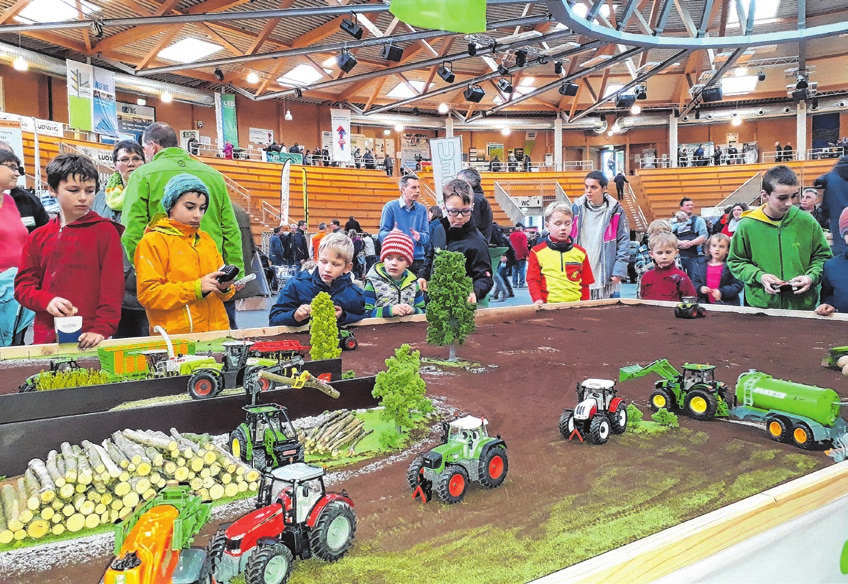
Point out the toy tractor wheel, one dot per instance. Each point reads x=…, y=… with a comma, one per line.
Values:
x=493, y=468
x=238, y=444
x=660, y=398
x=566, y=423
x=779, y=429
x=255, y=384
x=700, y=404
x=618, y=419
x=413, y=472
x=802, y=436
x=334, y=531
x=215, y=550
x=600, y=429
x=452, y=484
x=204, y=384
x=269, y=564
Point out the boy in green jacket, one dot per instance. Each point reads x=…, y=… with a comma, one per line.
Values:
x=779, y=251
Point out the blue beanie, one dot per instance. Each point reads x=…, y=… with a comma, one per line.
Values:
x=179, y=185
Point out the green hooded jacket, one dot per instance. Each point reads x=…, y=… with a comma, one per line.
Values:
x=143, y=200
x=793, y=246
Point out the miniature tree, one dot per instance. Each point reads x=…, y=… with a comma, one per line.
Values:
x=634, y=417
x=449, y=315
x=323, y=330
x=663, y=417
x=401, y=389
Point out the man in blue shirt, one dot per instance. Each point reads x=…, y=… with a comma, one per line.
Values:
x=408, y=215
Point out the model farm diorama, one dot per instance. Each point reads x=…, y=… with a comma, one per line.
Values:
x=158, y=487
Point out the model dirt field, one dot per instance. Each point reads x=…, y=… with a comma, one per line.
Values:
x=562, y=502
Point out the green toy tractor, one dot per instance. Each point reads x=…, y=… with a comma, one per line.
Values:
x=695, y=391
x=266, y=439
x=467, y=453
x=347, y=340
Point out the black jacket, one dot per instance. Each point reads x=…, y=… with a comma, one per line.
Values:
x=353, y=224
x=482, y=214
x=469, y=241
x=32, y=211
x=299, y=247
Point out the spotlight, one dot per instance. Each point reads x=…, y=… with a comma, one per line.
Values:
x=505, y=131
x=252, y=77
x=474, y=94
x=641, y=92
x=346, y=61
x=472, y=49
x=446, y=74
x=166, y=97
x=387, y=132
x=761, y=112
x=569, y=89
x=761, y=76
x=504, y=85
x=802, y=83
x=444, y=108
x=399, y=128
x=20, y=64
x=544, y=60
x=814, y=105
x=520, y=58
x=799, y=94
x=625, y=100
x=351, y=28
x=288, y=116
x=416, y=111
x=558, y=67
x=298, y=92
x=636, y=109
x=392, y=53
x=502, y=70
x=737, y=121
x=711, y=94
x=219, y=75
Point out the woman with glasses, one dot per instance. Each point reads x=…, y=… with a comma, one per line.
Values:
x=29, y=206
x=109, y=201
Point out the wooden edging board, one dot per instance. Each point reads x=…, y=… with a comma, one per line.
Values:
x=665, y=552
x=22, y=441
x=36, y=405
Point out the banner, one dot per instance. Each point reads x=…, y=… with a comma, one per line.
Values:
x=229, y=123
x=105, y=106
x=133, y=119
x=80, y=85
x=283, y=157
x=340, y=124
x=466, y=16
x=260, y=136
x=285, y=185
x=446, y=154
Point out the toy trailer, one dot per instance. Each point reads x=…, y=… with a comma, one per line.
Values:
x=805, y=415
x=151, y=545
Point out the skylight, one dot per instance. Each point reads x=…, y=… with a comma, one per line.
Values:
x=612, y=88
x=581, y=10
x=526, y=81
x=738, y=85
x=402, y=91
x=54, y=11
x=189, y=50
x=300, y=75
x=764, y=11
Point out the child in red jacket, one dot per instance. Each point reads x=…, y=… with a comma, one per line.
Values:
x=74, y=264
x=666, y=281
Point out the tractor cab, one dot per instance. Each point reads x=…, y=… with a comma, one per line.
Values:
x=697, y=374
x=235, y=354
x=467, y=431
x=298, y=488
x=596, y=393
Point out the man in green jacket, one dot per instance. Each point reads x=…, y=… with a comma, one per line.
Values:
x=144, y=192
x=778, y=251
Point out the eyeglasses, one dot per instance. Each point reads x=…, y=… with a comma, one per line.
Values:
x=13, y=166
x=126, y=160
x=458, y=212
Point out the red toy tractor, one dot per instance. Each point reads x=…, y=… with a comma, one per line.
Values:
x=303, y=520
x=598, y=414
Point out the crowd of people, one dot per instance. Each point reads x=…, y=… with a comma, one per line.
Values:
x=160, y=245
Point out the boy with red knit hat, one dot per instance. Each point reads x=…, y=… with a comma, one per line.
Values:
x=390, y=288
x=834, y=287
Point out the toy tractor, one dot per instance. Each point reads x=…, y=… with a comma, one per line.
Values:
x=598, y=414
x=56, y=366
x=152, y=544
x=266, y=439
x=695, y=391
x=467, y=453
x=347, y=340
x=295, y=517
x=241, y=364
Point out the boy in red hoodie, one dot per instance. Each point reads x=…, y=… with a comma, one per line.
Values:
x=666, y=281
x=74, y=264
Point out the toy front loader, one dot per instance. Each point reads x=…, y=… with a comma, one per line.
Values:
x=661, y=367
x=305, y=379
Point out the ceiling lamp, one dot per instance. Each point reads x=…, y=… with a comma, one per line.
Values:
x=351, y=28
x=288, y=117
x=446, y=74
x=167, y=97
x=737, y=121
x=505, y=131
x=444, y=108
x=504, y=85
x=399, y=128
x=20, y=64
x=141, y=101
x=387, y=132
x=252, y=77
x=636, y=109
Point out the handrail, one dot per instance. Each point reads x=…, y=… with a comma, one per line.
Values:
x=428, y=195
x=560, y=193
x=267, y=208
x=641, y=221
x=747, y=193
x=508, y=205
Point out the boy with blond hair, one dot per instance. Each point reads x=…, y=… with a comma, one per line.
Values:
x=331, y=275
x=666, y=281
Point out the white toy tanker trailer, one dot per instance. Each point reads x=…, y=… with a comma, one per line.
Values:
x=805, y=415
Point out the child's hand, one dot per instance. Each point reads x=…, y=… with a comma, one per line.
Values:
x=825, y=310
x=801, y=283
x=61, y=307
x=539, y=302
x=705, y=290
x=422, y=283
x=89, y=340
x=302, y=313
x=209, y=282
x=472, y=298
x=338, y=310
x=771, y=283
x=716, y=294
x=401, y=309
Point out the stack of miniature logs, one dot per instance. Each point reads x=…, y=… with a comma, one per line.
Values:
x=340, y=429
x=87, y=485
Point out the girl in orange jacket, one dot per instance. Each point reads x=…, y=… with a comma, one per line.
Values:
x=178, y=264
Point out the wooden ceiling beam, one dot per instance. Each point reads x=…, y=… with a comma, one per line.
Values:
x=13, y=10
x=163, y=42
x=269, y=27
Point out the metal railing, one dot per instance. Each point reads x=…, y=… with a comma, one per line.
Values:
x=266, y=209
x=829, y=152
x=641, y=223
x=428, y=197
x=747, y=193
x=548, y=191
x=559, y=193
x=508, y=205
x=779, y=156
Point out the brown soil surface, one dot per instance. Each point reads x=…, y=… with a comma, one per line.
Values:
x=532, y=369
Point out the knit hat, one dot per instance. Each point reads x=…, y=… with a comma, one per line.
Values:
x=398, y=242
x=179, y=185
x=843, y=222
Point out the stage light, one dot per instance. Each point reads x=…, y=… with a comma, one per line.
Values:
x=399, y=128
x=569, y=89
x=346, y=61
x=166, y=97
x=641, y=92
x=474, y=94
x=558, y=67
x=802, y=83
x=219, y=75
x=351, y=28
x=392, y=53
x=504, y=85
x=446, y=74
x=761, y=76
x=505, y=131
x=711, y=94
x=502, y=70
x=625, y=100
x=799, y=94
x=737, y=121
x=472, y=49
x=520, y=58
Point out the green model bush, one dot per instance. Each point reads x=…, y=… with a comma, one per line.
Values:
x=401, y=391
x=663, y=417
x=72, y=378
x=323, y=330
x=634, y=417
x=450, y=318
